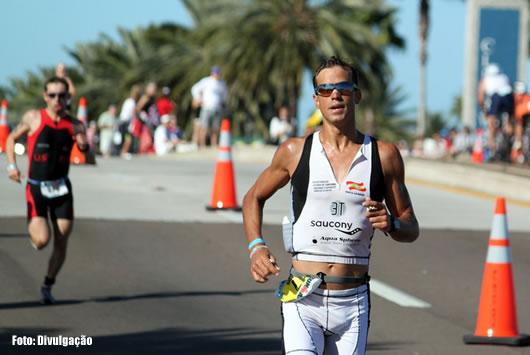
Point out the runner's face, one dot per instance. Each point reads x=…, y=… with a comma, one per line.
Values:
x=56, y=97
x=337, y=107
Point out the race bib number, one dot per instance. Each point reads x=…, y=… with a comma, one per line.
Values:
x=53, y=188
x=296, y=288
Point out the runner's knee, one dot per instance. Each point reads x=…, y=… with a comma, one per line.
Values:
x=39, y=233
x=39, y=241
x=62, y=229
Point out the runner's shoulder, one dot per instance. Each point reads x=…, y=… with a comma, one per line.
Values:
x=291, y=148
x=389, y=155
x=31, y=116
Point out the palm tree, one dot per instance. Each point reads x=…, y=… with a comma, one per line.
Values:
x=423, y=33
x=265, y=46
x=390, y=122
x=26, y=93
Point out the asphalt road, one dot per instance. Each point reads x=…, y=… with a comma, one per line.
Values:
x=183, y=288
x=153, y=273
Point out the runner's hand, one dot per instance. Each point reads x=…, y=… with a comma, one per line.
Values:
x=262, y=265
x=377, y=214
x=14, y=175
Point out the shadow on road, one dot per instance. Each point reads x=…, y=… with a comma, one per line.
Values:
x=32, y=304
x=120, y=298
x=14, y=235
x=160, y=341
x=179, y=294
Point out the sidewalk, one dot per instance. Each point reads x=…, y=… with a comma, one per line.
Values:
x=486, y=179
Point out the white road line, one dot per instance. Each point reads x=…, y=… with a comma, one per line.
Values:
x=392, y=294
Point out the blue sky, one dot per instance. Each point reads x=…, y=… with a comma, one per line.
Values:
x=36, y=32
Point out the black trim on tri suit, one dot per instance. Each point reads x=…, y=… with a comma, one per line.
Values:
x=377, y=179
x=300, y=179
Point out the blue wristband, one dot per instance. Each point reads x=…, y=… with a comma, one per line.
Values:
x=255, y=242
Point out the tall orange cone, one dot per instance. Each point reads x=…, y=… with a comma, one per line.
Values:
x=4, y=128
x=497, y=320
x=477, y=155
x=78, y=157
x=82, y=114
x=224, y=189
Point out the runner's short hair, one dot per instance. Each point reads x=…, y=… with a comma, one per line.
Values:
x=336, y=61
x=56, y=80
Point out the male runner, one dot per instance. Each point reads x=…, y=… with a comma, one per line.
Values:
x=339, y=180
x=51, y=135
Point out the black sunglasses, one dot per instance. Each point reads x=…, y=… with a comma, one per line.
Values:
x=60, y=95
x=345, y=88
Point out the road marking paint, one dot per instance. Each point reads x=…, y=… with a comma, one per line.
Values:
x=395, y=295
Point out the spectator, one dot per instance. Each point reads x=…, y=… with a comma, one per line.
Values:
x=280, y=127
x=496, y=98
x=164, y=104
x=210, y=94
x=128, y=124
x=146, y=107
x=163, y=142
x=521, y=115
x=175, y=133
x=417, y=147
x=462, y=143
x=106, y=125
x=147, y=111
x=61, y=72
x=434, y=147
x=91, y=135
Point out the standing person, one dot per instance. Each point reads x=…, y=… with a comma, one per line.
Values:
x=129, y=124
x=522, y=117
x=146, y=107
x=61, y=72
x=280, y=127
x=106, y=125
x=495, y=97
x=342, y=183
x=148, y=113
x=52, y=133
x=210, y=94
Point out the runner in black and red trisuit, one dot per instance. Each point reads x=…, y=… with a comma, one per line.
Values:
x=51, y=135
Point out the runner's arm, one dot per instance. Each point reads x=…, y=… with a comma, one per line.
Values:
x=397, y=198
x=263, y=264
x=21, y=129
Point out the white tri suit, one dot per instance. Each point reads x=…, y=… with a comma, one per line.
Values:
x=328, y=224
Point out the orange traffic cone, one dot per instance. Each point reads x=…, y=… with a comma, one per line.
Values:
x=477, y=155
x=78, y=157
x=81, y=111
x=4, y=128
x=224, y=190
x=497, y=320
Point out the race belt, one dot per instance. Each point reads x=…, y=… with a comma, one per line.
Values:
x=300, y=285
